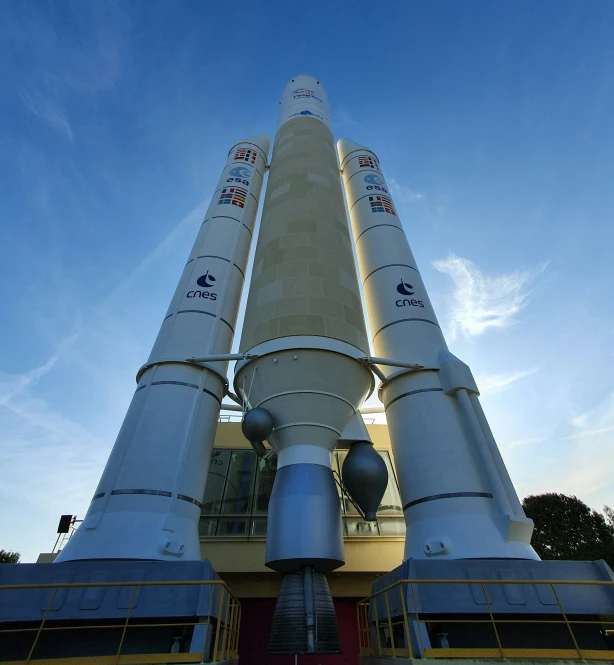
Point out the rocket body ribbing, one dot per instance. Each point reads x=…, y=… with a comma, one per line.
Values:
x=304, y=278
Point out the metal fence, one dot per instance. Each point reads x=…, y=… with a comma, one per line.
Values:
x=405, y=635
x=219, y=627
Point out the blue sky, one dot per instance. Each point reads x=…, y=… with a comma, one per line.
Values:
x=493, y=124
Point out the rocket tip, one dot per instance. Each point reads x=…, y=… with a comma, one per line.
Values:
x=263, y=141
x=345, y=147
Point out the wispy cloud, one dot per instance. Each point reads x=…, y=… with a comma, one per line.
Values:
x=524, y=442
x=54, y=461
x=594, y=422
x=581, y=463
x=75, y=57
x=483, y=301
x=490, y=384
x=11, y=385
x=57, y=437
x=344, y=119
x=49, y=111
x=177, y=238
x=403, y=193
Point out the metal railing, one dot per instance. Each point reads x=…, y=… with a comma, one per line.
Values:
x=229, y=417
x=219, y=628
x=404, y=634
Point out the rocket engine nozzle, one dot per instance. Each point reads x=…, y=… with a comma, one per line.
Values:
x=304, y=621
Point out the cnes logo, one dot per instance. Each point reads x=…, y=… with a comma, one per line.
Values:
x=205, y=281
x=406, y=289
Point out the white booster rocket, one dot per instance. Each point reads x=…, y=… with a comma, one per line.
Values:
x=147, y=504
x=458, y=499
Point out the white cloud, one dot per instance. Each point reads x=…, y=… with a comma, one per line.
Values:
x=524, y=442
x=483, y=301
x=404, y=193
x=11, y=385
x=591, y=424
x=49, y=111
x=582, y=463
x=50, y=462
x=178, y=237
x=54, y=444
x=489, y=384
x=61, y=69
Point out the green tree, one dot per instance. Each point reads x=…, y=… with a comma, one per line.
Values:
x=609, y=516
x=9, y=557
x=566, y=528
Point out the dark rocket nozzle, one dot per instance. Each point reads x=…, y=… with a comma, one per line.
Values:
x=304, y=619
x=257, y=425
x=365, y=476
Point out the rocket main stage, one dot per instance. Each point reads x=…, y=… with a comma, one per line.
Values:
x=302, y=373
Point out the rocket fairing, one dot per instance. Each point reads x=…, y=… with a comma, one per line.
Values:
x=458, y=499
x=147, y=504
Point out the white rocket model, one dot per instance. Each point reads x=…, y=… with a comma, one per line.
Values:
x=304, y=371
x=147, y=504
x=459, y=501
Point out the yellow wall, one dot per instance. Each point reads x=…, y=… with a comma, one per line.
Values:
x=266, y=585
x=229, y=435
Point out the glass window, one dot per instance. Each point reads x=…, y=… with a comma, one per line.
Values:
x=233, y=526
x=239, y=482
x=392, y=526
x=207, y=527
x=356, y=526
x=348, y=506
x=238, y=491
x=259, y=526
x=216, y=480
x=265, y=475
x=391, y=502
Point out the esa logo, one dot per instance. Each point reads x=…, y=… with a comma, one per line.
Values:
x=406, y=289
x=305, y=112
x=240, y=174
x=376, y=182
x=205, y=281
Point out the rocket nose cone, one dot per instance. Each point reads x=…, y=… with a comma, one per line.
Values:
x=304, y=95
x=263, y=141
x=345, y=147
x=305, y=81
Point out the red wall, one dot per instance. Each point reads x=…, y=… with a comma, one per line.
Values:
x=256, y=619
